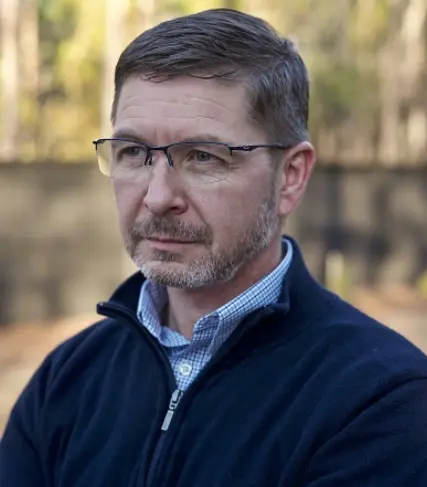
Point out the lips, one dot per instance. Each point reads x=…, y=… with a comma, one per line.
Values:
x=169, y=240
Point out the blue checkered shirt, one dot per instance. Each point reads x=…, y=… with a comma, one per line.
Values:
x=188, y=357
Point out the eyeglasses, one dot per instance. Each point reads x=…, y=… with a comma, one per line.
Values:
x=196, y=162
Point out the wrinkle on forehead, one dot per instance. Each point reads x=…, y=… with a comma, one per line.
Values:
x=167, y=109
x=187, y=108
x=182, y=106
x=186, y=100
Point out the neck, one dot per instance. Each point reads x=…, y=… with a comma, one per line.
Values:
x=187, y=306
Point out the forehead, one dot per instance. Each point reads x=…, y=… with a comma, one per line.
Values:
x=182, y=107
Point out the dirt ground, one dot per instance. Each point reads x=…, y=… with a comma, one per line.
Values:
x=22, y=348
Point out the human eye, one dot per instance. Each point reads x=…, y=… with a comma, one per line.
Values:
x=202, y=156
x=129, y=153
x=207, y=155
x=204, y=161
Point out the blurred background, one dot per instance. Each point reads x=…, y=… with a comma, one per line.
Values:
x=363, y=222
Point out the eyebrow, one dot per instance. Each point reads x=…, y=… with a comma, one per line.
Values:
x=205, y=137
x=130, y=135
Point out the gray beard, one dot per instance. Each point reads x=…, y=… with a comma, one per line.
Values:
x=217, y=266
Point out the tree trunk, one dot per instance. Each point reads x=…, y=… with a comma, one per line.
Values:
x=30, y=62
x=403, y=68
x=115, y=11
x=148, y=11
x=9, y=80
x=414, y=37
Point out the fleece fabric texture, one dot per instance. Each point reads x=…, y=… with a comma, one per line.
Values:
x=307, y=392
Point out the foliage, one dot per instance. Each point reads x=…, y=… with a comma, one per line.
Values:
x=349, y=46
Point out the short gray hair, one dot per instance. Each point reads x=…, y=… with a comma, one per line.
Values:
x=231, y=46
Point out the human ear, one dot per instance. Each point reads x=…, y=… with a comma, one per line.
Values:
x=296, y=171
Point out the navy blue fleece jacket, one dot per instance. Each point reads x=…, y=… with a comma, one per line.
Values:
x=306, y=393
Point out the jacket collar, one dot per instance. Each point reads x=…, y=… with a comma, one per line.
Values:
x=300, y=296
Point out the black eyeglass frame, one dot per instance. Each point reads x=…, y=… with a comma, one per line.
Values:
x=165, y=148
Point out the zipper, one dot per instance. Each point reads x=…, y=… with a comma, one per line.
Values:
x=113, y=310
x=175, y=413
x=173, y=404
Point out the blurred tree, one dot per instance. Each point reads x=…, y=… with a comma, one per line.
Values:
x=367, y=60
x=29, y=52
x=72, y=41
x=9, y=80
x=113, y=45
x=148, y=12
x=183, y=7
x=233, y=4
x=403, y=85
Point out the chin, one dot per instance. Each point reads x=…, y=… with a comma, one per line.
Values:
x=151, y=268
x=163, y=260
x=169, y=274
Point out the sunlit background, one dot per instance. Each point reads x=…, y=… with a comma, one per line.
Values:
x=362, y=225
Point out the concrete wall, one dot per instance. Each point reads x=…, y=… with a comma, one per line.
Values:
x=60, y=249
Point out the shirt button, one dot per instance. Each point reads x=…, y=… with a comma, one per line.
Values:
x=185, y=369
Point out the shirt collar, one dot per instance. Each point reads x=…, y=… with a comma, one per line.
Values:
x=219, y=324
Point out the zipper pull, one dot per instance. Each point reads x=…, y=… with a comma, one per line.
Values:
x=173, y=404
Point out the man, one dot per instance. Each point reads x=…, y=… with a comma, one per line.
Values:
x=222, y=363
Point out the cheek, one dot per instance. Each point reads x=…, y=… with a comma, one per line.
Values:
x=231, y=213
x=128, y=202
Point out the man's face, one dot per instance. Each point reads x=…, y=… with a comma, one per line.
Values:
x=193, y=235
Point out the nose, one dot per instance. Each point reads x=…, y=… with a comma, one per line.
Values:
x=164, y=193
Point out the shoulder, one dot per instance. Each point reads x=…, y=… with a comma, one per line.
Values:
x=353, y=366
x=355, y=330
x=71, y=361
x=95, y=336
x=343, y=349
x=371, y=401
x=364, y=355
x=65, y=369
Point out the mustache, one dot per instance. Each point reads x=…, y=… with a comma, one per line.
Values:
x=170, y=228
